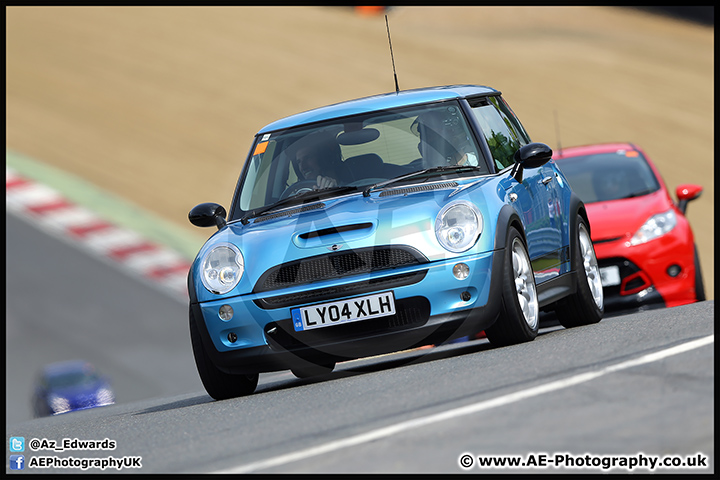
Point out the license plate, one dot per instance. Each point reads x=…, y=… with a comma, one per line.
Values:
x=610, y=276
x=343, y=311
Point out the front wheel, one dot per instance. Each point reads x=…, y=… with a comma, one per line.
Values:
x=586, y=305
x=520, y=316
x=218, y=384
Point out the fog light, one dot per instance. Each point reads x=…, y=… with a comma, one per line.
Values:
x=465, y=296
x=225, y=313
x=232, y=338
x=461, y=271
x=674, y=270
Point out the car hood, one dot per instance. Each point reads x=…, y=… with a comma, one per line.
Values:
x=78, y=392
x=615, y=219
x=401, y=216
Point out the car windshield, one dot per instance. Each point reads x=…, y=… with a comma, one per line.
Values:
x=609, y=176
x=71, y=379
x=349, y=154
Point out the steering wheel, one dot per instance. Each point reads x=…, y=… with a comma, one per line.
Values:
x=299, y=187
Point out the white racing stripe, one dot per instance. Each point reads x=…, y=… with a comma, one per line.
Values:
x=466, y=410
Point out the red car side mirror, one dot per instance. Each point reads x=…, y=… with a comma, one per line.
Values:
x=685, y=193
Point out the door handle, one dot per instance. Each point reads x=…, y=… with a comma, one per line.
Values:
x=546, y=180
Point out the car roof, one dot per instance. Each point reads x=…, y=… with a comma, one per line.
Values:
x=593, y=149
x=379, y=102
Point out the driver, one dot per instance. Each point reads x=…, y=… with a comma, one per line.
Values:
x=444, y=139
x=318, y=158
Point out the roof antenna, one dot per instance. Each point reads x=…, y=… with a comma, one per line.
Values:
x=557, y=132
x=397, y=89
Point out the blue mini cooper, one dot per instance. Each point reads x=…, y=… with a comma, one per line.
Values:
x=383, y=224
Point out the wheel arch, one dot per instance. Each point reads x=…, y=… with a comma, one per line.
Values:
x=507, y=218
x=576, y=208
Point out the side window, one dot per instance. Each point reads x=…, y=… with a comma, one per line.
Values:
x=501, y=129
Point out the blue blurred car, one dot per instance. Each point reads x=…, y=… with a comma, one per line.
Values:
x=382, y=224
x=68, y=386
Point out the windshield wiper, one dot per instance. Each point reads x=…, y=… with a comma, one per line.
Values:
x=639, y=193
x=426, y=171
x=303, y=197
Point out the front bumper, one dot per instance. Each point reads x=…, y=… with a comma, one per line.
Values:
x=635, y=290
x=429, y=310
x=645, y=272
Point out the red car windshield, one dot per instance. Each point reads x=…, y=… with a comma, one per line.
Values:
x=609, y=176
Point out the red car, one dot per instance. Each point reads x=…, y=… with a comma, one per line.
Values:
x=643, y=242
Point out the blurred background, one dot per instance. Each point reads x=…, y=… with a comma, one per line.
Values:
x=158, y=105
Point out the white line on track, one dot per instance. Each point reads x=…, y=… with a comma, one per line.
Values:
x=468, y=409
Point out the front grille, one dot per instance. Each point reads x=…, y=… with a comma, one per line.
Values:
x=632, y=278
x=409, y=313
x=337, y=265
x=86, y=400
x=344, y=290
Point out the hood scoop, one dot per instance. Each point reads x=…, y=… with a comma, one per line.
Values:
x=336, y=230
x=418, y=188
x=289, y=213
x=334, y=235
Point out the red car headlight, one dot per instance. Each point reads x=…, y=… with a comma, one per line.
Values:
x=654, y=227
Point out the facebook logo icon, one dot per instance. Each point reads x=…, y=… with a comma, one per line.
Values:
x=17, y=462
x=17, y=444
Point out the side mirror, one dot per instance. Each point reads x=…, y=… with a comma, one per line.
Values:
x=686, y=193
x=208, y=215
x=532, y=155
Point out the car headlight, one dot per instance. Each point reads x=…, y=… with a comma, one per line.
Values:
x=655, y=226
x=458, y=226
x=222, y=268
x=59, y=404
x=105, y=396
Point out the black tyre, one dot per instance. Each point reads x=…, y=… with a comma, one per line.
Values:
x=218, y=384
x=699, y=285
x=586, y=305
x=520, y=316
